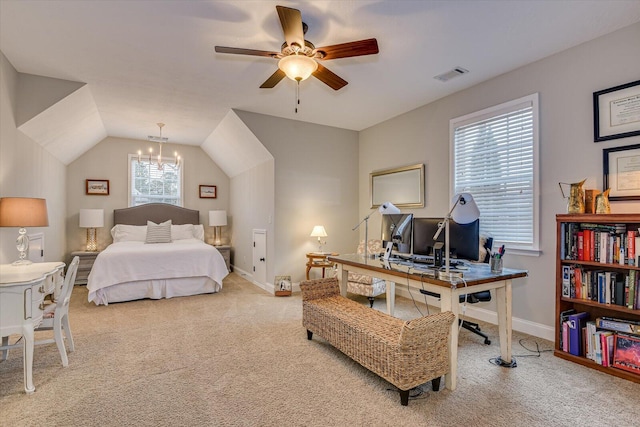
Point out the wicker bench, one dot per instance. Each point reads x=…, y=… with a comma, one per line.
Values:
x=405, y=353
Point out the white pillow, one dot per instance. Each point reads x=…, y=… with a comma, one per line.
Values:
x=158, y=233
x=182, y=231
x=129, y=233
x=198, y=232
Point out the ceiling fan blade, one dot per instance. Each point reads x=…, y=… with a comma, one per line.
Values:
x=346, y=50
x=241, y=51
x=291, y=21
x=273, y=80
x=329, y=78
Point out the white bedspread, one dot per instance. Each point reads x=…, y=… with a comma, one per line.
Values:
x=132, y=261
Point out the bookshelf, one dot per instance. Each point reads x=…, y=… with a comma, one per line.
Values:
x=566, y=225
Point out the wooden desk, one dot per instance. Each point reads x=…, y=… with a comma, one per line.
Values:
x=478, y=278
x=22, y=292
x=319, y=260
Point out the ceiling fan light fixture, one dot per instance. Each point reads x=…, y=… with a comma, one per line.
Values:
x=298, y=67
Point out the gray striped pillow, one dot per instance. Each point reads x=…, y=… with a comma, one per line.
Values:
x=158, y=233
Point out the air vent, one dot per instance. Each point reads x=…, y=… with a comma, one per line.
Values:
x=458, y=71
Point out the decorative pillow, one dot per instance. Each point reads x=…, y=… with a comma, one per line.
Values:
x=182, y=231
x=129, y=233
x=158, y=233
x=198, y=232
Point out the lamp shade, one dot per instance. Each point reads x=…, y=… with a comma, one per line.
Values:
x=91, y=218
x=388, y=208
x=298, y=67
x=217, y=218
x=466, y=210
x=23, y=212
x=318, y=231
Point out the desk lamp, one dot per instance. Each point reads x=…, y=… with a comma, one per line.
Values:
x=387, y=208
x=464, y=211
x=319, y=231
x=91, y=219
x=217, y=219
x=23, y=212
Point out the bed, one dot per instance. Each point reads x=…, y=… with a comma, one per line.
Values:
x=142, y=262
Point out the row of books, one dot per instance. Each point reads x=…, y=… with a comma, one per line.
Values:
x=604, y=287
x=607, y=341
x=608, y=244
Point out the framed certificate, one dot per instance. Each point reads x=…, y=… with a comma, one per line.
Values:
x=616, y=112
x=621, y=169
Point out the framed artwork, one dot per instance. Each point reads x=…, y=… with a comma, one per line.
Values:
x=616, y=112
x=621, y=170
x=282, y=286
x=208, y=192
x=626, y=353
x=97, y=187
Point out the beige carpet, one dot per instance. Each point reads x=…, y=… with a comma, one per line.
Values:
x=241, y=358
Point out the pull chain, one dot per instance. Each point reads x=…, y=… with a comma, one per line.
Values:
x=297, y=95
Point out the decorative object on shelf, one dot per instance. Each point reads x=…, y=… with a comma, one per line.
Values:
x=464, y=211
x=23, y=212
x=386, y=208
x=590, y=201
x=319, y=232
x=217, y=219
x=208, y=191
x=97, y=187
x=602, y=203
x=402, y=186
x=91, y=219
x=626, y=353
x=161, y=162
x=575, y=205
x=616, y=112
x=621, y=170
x=283, y=286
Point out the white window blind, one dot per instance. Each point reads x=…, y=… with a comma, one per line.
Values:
x=495, y=159
x=149, y=184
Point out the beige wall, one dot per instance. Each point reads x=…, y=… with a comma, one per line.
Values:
x=28, y=170
x=108, y=160
x=565, y=82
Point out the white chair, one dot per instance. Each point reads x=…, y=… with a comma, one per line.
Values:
x=362, y=284
x=56, y=315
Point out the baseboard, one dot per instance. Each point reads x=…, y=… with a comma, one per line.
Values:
x=248, y=276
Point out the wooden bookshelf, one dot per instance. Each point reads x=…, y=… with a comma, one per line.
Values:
x=594, y=308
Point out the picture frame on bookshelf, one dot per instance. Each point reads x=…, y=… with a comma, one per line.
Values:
x=621, y=172
x=616, y=112
x=626, y=353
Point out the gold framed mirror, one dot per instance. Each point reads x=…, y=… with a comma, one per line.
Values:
x=403, y=186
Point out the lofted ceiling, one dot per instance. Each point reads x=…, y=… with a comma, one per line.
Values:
x=144, y=62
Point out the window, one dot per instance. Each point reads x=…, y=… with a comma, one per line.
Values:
x=148, y=184
x=495, y=158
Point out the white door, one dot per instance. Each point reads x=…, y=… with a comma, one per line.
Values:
x=260, y=256
x=36, y=247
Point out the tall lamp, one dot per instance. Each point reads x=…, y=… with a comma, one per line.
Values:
x=387, y=208
x=464, y=211
x=319, y=232
x=217, y=219
x=91, y=219
x=23, y=212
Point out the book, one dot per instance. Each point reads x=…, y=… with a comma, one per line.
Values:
x=580, y=245
x=576, y=322
x=564, y=316
x=566, y=281
x=619, y=325
x=577, y=273
x=631, y=247
x=632, y=289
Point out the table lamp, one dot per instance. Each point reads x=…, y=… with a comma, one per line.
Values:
x=319, y=231
x=464, y=211
x=23, y=212
x=387, y=208
x=91, y=219
x=217, y=219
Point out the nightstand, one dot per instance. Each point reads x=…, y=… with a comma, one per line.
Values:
x=225, y=251
x=85, y=266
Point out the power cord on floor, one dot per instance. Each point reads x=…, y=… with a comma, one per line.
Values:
x=536, y=353
x=415, y=393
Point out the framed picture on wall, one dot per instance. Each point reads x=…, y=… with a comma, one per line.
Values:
x=616, y=112
x=621, y=170
x=97, y=187
x=208, y=192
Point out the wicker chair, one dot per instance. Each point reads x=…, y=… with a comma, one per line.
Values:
x=361, y=284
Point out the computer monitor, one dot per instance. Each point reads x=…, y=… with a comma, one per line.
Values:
x=464, y=239
x=398, y=228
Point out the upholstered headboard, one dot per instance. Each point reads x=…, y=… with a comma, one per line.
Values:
x=156, y=212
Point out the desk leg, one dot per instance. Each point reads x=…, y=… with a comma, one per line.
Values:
x=343, y=277
x=446, y=299
x=391, y=297
x=27, y=353
x=503, y=305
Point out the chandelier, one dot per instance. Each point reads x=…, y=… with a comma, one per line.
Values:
x=160, y=140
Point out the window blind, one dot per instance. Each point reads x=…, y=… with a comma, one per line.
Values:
x=148, y=184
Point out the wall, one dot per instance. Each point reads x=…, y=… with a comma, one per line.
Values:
x=109, y=160
x=565, y=82
x=28, y=170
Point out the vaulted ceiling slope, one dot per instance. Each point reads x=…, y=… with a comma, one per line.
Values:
x=142, y=62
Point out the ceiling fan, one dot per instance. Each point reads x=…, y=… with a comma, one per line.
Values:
x=298, y=57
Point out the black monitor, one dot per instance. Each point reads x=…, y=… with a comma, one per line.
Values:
x=464, y=239
x=398, y=228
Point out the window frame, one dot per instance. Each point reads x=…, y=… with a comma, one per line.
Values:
x=134, y=157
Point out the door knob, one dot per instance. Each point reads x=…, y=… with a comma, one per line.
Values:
x=262, y=259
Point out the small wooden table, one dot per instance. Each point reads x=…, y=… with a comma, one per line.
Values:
x=319, y=260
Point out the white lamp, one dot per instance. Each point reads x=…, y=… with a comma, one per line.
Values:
x=23, y=212
x=387, y=208
x=91, y=219
x=464, y=211
x=319, y=231
x=217, y=219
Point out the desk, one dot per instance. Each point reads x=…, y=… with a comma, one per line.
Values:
x=478, y=278
x=22, y=292
x=319, y=260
